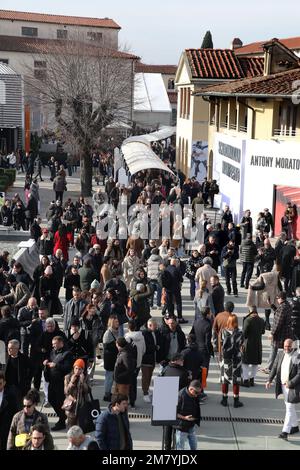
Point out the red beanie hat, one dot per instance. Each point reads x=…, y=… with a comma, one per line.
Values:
x=79, y=363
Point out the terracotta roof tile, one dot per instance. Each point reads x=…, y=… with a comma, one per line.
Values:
x=257, y=47
x=163, y=69
x=252, y=66
x=58, y=19
x=35, y=45
x=278, y=84
x=214, y=64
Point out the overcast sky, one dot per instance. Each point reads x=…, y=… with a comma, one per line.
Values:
x=159, y=30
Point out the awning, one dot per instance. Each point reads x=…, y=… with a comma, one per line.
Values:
x=139, y=156
x=161, y=134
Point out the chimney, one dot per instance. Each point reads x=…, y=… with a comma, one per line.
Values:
x=236, y=43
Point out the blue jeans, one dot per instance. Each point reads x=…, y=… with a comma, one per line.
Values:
x=121, y=330
x=156, y=288
x=182, y=437
x=109, y=378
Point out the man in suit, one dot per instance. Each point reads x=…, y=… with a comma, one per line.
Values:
x=8, y=407
x=18, y=371
x=73, y=309
x=286, y=368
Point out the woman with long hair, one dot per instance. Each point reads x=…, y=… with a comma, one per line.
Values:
x=92, y=325
x=231, y=364
x=110, y=353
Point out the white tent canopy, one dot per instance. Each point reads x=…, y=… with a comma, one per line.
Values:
x=139, y=156
x=161, y=134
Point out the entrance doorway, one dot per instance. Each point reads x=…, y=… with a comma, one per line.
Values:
x=284, y=194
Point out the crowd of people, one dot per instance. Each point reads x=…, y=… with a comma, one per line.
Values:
x=112, y=288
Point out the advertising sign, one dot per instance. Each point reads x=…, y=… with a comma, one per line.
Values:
x=199, y=160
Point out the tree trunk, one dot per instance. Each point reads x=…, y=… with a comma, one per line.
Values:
x=86, y=174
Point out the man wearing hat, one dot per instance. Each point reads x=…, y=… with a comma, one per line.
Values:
x=281, y=328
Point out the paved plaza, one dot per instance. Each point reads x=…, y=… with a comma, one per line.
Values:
x=254, y=426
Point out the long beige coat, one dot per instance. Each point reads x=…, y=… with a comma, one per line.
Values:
x=259, y=298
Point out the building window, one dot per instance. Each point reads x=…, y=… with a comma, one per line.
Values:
x=32, y=32
x=287, y=120
x=171, y=84
x=40, y=69
x=4, y=61
x=62, y=34
x=94, y=36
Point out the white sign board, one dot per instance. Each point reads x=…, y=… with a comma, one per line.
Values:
x=165, y=398
x=228, y=170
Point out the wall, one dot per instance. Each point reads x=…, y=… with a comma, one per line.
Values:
x=49, y=31
x=151, y=119
x=264, y=112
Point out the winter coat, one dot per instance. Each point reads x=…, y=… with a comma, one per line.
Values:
x=287, y=259
x=219, y=324
x=45, y=246
x=152, y=354
x=8, y=409
x=70, y=311
x=230, y=255
x=107, y=430
x=248, y=251
x=137, y=339
x=20, y=295
x=93, y=328
x=175, y=370
x=188, y=405
x=266, y=259
x=141, y=306
x=153, y=267
x=202, y=329
x=24, y=375
x=217, y=296
x=59, y=183
x=87, y=276
x=9, y=329
x=192, y=265
x=294, y=376
x=125, y=366
x=267, y=285
x=130, y=265
x=231, y=364
x=282, y=324
x=204, y=274
x=62, y=243
x=110, y=350
x=6, y=216
x=18, y=427
x=64, y=362
x=193, y=360
x=253, y=329
x=166, y=340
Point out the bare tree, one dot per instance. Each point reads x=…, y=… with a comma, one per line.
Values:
x=87, y=88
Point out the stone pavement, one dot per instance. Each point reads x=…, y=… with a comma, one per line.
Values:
x=254, y=426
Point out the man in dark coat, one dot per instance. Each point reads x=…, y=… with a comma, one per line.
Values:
x=59, y=364
x=153, y=342
x=202, y=329
x=8, y=407
x=217, y=294
x=124, y=367
x=17, y=372
x=188, y=414
x=193, y=358
x=213, y=251
x=73, y=308
x=173, y=339
x=140, y=303
x=253, y=329
x=286, y=368
x=287, y=262
x=282, y=326
x=229, y=256
x=175, y=291
x=112, y=426
x=248, y=253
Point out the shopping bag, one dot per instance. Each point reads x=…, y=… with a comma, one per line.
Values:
x=88, y=413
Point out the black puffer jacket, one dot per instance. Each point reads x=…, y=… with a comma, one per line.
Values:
x=125, y=366
x=248, y=251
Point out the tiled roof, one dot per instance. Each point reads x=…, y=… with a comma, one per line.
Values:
x=58, y=19
x=35, y=45
x=173, y=95
x=252, y=66
x=164, y=69
x=221, y=64
x=277, y=85
x=257, y=47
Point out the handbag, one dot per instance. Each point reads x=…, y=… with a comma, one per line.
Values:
x=69, y=403
x=88, y=413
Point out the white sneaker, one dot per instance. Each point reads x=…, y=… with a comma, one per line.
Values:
x=147, y=399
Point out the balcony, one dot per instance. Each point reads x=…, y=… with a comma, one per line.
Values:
x=243, y=129
x=286, y=132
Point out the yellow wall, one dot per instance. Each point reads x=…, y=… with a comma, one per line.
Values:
x=263, y=125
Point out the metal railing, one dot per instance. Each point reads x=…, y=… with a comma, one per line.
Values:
x=286, y=132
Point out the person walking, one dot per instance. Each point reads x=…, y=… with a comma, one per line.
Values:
x=286, y=369
x=231, y=364
x=248, y=252
x=76, y=390
x=112, y=426
x=253, y=329
x=59, y=186
x=189, y=415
